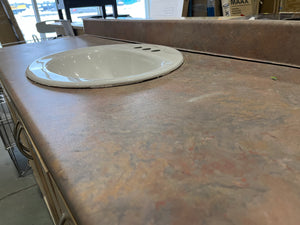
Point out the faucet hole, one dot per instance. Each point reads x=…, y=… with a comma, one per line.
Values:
x=155, y=50
x=146, y=49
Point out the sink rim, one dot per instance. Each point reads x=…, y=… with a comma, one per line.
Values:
x=171, y=57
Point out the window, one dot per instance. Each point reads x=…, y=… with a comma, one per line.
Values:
x=29, y=12
x=27, y=18
x=133, y=8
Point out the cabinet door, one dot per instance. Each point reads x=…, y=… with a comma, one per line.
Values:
x=66, y=217
x=39, y=170
x=55, y=202
x=52, y=196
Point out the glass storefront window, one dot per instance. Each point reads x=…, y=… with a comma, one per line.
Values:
x=24, y=15
x=27, y=18
x=133, y=8
x=78, y=14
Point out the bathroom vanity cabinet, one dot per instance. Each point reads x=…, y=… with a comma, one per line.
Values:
x=52, y=196
x=214, y=142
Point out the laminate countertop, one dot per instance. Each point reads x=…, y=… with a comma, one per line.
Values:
x=215, y=142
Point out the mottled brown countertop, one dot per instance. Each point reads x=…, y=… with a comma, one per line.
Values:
x=215, y=142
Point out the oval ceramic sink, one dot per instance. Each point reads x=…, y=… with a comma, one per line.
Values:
x=103, y=66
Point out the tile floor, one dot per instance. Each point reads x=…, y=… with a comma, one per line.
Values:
x=21, y=202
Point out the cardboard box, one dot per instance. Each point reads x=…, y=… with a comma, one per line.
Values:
x=290, y=6
x=185, y=8
x=8, y=34
x=269, y=6
x=199, y=8
x=240, y=7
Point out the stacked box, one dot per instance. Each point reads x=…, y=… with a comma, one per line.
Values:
x=239, y=7
x=269, y=6
x=290, y=6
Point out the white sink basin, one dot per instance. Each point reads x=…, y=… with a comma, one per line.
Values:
x=103, y=66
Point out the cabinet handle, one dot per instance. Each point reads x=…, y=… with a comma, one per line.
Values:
x=23, y=149
x=16, y=129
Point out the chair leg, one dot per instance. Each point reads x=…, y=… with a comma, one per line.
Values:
x=68, y=14
x=103, y=11
x=115, y=9
x=60, y=14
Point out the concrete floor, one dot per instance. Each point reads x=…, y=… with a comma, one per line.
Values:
x=21, y=202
